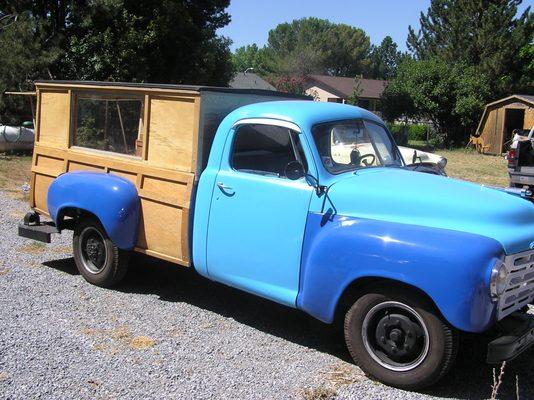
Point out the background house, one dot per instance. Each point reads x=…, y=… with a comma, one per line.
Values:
x=248, y=80
x=338, y=89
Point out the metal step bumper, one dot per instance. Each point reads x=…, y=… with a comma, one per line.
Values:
x=32, y=228
x=518, y=336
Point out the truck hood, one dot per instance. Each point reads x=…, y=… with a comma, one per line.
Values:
x=397, y=195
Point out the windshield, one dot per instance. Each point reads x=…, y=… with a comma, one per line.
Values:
x=354, y=144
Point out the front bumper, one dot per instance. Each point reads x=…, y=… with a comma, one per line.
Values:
x=518, y=336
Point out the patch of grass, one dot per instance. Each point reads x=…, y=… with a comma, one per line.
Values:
x=62, y=249
x=113, y=340
x=471, y=166
x=32, y=248
x=142, y=342
x=343, y=374
x=319, y=393
x=14, y=172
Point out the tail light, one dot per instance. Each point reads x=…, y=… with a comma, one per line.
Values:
x=512, y=158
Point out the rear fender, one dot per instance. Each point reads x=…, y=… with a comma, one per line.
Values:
x=111, y=198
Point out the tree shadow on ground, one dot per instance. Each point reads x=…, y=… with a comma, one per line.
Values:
x=469, y=378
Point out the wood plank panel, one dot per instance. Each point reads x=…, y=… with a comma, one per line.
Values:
x=41, y=184
x=160, y=228
x=54, y=119
x=127, y=175
x=164, y=190
x=52, y=165
x=78, y=166
x=171, y=133
x=528, y=123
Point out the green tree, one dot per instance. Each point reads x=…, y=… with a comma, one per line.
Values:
x=312, y=45
x=384, y=59
x=252, y=56
x=450, y=96
x=354, y=97
x=127, y=40
x=487, y=34
x=467, y=53
x=151, y=41
x=23, y=60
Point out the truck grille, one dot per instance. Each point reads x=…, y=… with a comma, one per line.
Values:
x=519, y=285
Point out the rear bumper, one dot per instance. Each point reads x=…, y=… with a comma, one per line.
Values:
x=521, y=178
x=518, y=336
x=32, y=228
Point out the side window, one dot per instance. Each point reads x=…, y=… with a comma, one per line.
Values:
x=265, y=149
x=109, y=123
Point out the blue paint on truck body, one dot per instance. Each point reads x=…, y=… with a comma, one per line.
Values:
x=111, y=198
x=437, y=234
x=452, y=268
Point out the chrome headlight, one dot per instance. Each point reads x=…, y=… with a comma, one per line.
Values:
x=499, y=275
x=442, y=163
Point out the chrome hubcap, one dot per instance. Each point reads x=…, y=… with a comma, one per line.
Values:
x=395, y=336
x=93, y=250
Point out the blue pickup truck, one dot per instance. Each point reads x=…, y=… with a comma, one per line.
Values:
x=277, y=207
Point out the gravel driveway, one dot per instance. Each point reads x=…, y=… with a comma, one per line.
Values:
x=166, y=333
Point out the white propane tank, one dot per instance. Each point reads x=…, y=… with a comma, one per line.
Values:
x=16, y=138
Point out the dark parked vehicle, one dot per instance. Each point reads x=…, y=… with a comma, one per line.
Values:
x=521, y=161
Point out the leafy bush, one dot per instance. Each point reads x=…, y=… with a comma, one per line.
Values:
x=417, y=132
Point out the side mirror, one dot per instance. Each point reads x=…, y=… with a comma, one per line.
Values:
x=294, y=170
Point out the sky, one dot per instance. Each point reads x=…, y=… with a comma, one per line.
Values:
x=252, y=19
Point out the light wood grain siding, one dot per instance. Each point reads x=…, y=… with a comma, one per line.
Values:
x=163, y=174
x=54, y=119
x=171, y=133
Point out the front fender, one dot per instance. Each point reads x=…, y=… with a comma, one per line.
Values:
x=111, y=198
x=451, y=267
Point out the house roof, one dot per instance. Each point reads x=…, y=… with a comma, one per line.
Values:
x=521, y=97
x=248, y=80
x=344, y=86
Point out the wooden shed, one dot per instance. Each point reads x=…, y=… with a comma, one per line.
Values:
x=498, y=121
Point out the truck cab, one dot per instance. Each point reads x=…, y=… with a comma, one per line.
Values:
x=259, y=191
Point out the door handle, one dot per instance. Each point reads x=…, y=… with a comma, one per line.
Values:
x=225, y=189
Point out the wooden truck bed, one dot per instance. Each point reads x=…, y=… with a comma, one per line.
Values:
x=173, y=136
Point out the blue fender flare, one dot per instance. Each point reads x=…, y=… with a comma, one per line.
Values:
x=452, y=268
x=111, y=198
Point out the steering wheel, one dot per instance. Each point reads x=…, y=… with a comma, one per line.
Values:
x=367, y=163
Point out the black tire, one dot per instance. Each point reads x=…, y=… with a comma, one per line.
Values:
x=99, y=261
x=397, y=320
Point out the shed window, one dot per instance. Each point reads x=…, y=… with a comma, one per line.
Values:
x=109, y=123
x=266, y=149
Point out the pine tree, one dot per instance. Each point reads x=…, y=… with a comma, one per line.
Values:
x=486, y=34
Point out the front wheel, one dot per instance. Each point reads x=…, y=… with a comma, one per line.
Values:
x=399, y=339
x=99, y=261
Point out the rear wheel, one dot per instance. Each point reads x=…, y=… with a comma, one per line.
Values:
x=99, y=261
x=399, y=339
